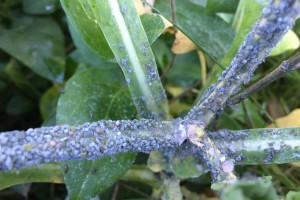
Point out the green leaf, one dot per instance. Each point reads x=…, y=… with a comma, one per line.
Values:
x=252, y=188
x=229, y=122
x=186, y=167
x=289, y=42
x=19, y=105
x=102, y=96
x=16, y=74
x=186, y=70
x=38, y=43
x=226, y=6
x=86, y=179
x=85, y=23
x=254, y=115
x=48, y=104
x=87, y=54
x=44, y=173
x=91, y=95
x=153, y=25
x=292, y=195
x=91, y=32
x=40, y=6
x=208, y=32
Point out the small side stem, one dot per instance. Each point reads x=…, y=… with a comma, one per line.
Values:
x=286, y=66
x=169, y=67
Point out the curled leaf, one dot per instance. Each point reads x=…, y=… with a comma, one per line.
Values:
x=182, y=44
x=291, y=120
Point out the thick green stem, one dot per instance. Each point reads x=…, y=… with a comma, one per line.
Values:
x=260, y=146
x=88, y=141
x=103, y=138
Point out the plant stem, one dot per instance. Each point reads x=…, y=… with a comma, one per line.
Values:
x=274, y=22
x=286, y=66
x=93, y=140
x=87, y=141
x=260, y=146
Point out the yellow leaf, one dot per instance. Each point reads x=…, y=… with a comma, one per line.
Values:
x=174, y=90
x=291, y=120
x=182, y=44
x=141, y=8
x=168, y=25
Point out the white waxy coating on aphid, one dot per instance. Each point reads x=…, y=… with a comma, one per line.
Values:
x=222, y=158
x=228, y=166
x=191, y=130
x=212, y=151
x=199, y=167
x=182, y=133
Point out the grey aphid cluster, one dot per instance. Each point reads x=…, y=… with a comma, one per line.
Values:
x=87, y=141
x=260, y=145
x=274, y=22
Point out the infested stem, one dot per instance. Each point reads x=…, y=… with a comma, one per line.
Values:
x=286, y=66
x=259, y=146
x=217, y=162
x=94, y=140
x=88, y=141
x=274, y=22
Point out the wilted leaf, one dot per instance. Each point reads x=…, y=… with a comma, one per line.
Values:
x=182, y=44
x=291, y=120
x=142, y=8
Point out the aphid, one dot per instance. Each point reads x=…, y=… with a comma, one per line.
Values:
x=66, y=169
